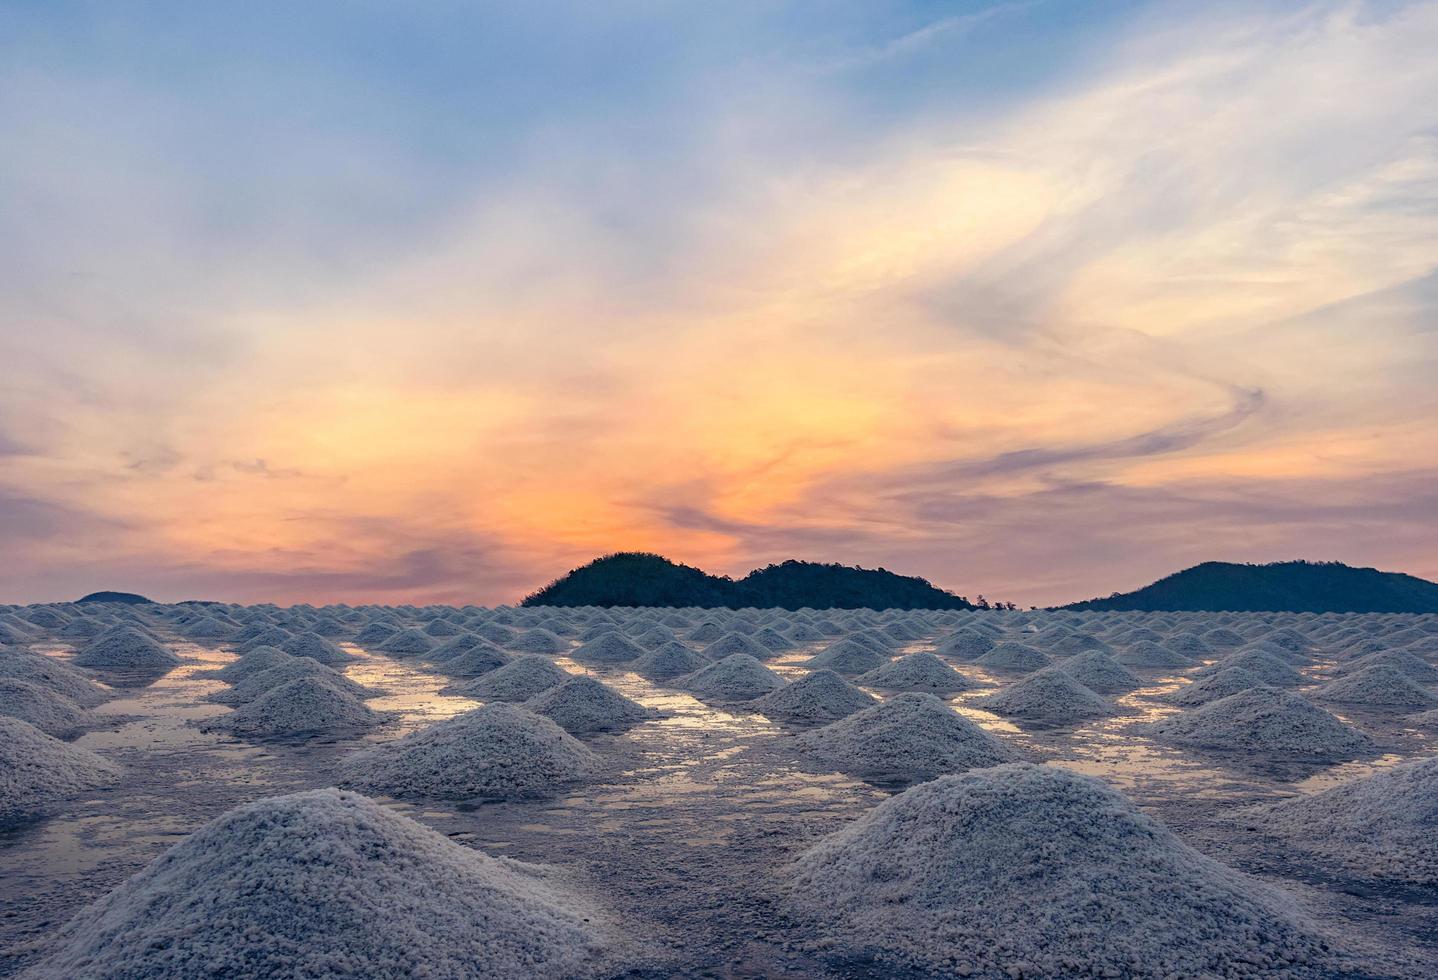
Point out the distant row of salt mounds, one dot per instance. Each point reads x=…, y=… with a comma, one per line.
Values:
x=327, y=883
x=1026, y=870
x=1265, y=720
x=38, y=771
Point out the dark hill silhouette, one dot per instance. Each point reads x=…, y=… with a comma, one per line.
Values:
x=641, y=579
x=1290, y=586
x=129, y=598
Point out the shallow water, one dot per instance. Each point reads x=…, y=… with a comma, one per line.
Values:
x=683, y=834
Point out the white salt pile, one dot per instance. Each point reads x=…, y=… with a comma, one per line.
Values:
x=317, y=648
x=1379, y=685
x=1146, y=653
x=471, y=663
x=1412, y=666
x=1264, y=666
x=499, y=751
x=607, y=648
x=583, y=705
x=1013, y=656
x=848, y=657
x=251, y=687
x=1211, y=687
x=1101, y=673
x=407, y=643
x=328, y=884
x=966, y=644
x=1384, y=826
x=306, y=707
x=1191, y=646
x=706, y=632
x=455, y=645
x=271, y=636
x=916, y=672
x=1032, y=871
x=519, y=680
x=538, y=641
x=51, y=712
x=258, y=659
x=125, y=648
x=1266, y=721
x=51, y=673
x=732, y=643
x=375, y=633
x=1047, y=697
x=671, y=660
x=818, y=698
x=442, y=628
x=38, y=771
x=738, y=677
x=906, y=737
x=1223, y=638
x=773, y=640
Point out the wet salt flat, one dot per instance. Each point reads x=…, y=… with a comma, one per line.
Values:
x=686, y=827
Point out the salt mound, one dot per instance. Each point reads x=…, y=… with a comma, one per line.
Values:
x=732, y=643
x=1264, y=666
x=735, y=678
x=37, y=771
x=906, y=736
x=499, y=751
x=1189, y=645
x=1264, y=720
x=538, y=641
x=407, y=643
x=821, y=697
x=271, y=636
x=706, y=632
x=916, y=672
x=967, y=644
x=51, y=673
x=1076, y=643
x=1414, y=667
x=51, y=712
x=1222, y=636
x=1379, y=684
x=1101, y=673
x=441, y=628
x=375, y=633
x=305, y=707
x=773, y=640
x=254, y=685
x=848, y=657
x=125, y=648
x=582, y=705
x=1383, y=826
x=607, y=648
x=1026, y=870
x=1211, y=687
x=519, y=680
x=317, y=648
x=258, y=659
x=1146, y=653
x=1013, y=656
x=1049, y=696
x=455, y=645
x=471, y=663
x=325, y=884
x=671, y=660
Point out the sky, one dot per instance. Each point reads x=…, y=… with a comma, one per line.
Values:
x=433, y=301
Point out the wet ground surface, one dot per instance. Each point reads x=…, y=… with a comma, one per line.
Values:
x=683, y=836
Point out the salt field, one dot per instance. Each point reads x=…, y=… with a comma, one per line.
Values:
x=401, y=791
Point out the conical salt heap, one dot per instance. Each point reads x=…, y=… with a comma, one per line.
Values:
x=258, y=659
x=671, y=660
x=407, y=643
x=1383, y=826
x=306, y=707
x=460, y=643
x=317, y=648
x=1146, y=654
x=732, y=643
x=472, y=663
x=1047, y=697
x=1101, y=673
x=966, y=643
x=607, y=648
x=916, y=672
x=583, y=705
x=1266, y=721
x=538, y=640
x=1211, y=687
x=818, y=698
x=847, y=657
x=1415, y=668
x=125, y=648
x=329, y=884
x=51, y=712
x=55, y=675
x=499, y=751
x=1264, y=666
x=37, y=771
x=1013, y=656
x=906, y=737
x=519, y=680
x=1379, y=685
x=1025, y=870
x=735, y=678
x=251, y=687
